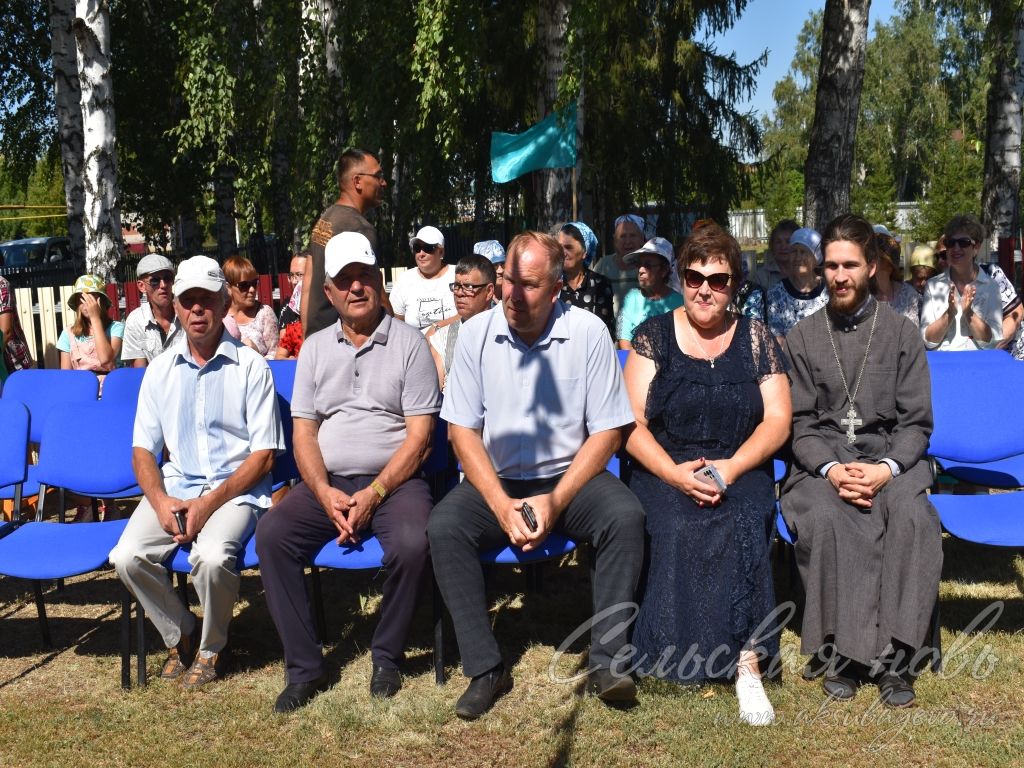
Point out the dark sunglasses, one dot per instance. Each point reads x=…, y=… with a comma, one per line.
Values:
x=379, y=175
x=962, y=242
x=469, y=288
x=717, y=282
x=155, y=280
x=245, y=285
x=425, y=247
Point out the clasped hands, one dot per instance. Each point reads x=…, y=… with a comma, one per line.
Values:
x=858, y=483
x=509, y=513
x=350, y=514
x=705, y=494
x=197, y=512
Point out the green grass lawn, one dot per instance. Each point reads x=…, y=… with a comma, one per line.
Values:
x=64, y=707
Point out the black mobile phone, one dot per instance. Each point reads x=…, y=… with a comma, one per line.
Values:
x=528, y=517
x=179, y=517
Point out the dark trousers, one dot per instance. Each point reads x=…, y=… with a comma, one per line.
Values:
x=290, y=534
x=604, y=513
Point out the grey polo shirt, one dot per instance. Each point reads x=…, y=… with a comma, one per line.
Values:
x=143, y=336
x=360, y=397
x=537, y=404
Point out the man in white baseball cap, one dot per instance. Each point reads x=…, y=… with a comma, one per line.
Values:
x=151, y=327
x=363, y=408
x=421, y=297
x=210, y=401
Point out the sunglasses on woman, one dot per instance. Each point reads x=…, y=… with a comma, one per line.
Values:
x=427, y=248
x=961, y=242
x=719, y=281
x=245, y=285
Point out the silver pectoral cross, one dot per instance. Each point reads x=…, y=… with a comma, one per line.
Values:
x=850, y=422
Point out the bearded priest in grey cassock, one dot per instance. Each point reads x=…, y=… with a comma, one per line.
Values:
x=868, y=541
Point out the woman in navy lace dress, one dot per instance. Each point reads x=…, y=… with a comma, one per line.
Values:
x=708, y=389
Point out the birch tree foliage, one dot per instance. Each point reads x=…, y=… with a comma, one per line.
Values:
x=26, y=89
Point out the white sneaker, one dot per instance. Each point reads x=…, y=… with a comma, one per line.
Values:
x=755, y=709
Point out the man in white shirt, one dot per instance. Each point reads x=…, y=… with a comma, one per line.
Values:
x=421, y=297
x=211, y=402
x=151, y=327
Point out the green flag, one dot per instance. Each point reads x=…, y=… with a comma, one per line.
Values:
x=547, y=144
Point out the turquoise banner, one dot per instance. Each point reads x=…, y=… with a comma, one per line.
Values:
x=548, y=144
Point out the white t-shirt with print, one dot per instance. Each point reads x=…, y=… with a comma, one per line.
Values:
x=422, y=301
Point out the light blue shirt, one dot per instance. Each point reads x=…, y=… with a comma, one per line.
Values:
x=536, y=404
x=636, y=308
x=210, y=418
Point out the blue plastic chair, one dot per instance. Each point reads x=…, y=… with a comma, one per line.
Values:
x=285, y=469
x=623, y=356
x=13, y=453
x=45, y=551
x=103, y=474
x=40, y=389
x=978, y=443
x=123, y=384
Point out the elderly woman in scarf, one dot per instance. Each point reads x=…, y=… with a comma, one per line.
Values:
x=581, y=286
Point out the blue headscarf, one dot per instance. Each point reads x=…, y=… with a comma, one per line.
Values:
x=633, y=219
x=589, y=239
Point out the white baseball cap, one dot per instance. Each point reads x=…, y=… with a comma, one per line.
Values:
x=153, y=262
x=347, y=248
x=658, y=246
x=429, y=235
x=199, y=272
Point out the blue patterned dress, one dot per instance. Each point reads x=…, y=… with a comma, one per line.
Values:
x=708, y=578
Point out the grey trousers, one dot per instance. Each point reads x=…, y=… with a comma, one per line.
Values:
x=144, y=546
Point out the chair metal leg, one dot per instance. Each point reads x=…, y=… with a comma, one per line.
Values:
x=318, y=605
x=40, y=502
x=140, y=640
x=438, y=608
x=126, y=639
x=44, y=627
x=534, y=578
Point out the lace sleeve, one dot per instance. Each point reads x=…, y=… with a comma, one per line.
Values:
x=768, y=357
x=649, y=339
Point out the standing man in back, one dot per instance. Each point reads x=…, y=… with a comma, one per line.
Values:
x=361, y=183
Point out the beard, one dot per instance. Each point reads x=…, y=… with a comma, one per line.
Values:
x=849, y=304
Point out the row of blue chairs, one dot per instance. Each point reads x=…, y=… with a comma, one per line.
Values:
x=85, y=448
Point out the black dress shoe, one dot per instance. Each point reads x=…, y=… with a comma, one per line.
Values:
x=297, y=695
x=611, y=689
x=385, y=682
x=840, y=685
x=482, y=692
x=896, y=691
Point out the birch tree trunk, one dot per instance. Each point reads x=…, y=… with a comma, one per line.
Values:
x=1001, y=190
x=224, y=211
x=829, y=165
x=102, y=214
x=553, y=185
x=68, y=99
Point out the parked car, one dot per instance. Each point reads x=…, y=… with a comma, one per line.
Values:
x=36, y=251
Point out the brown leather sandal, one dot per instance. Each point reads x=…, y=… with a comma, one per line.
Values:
x=202, y=671
x=180, y=656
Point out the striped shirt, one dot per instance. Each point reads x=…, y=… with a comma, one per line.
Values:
x=210, y=418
